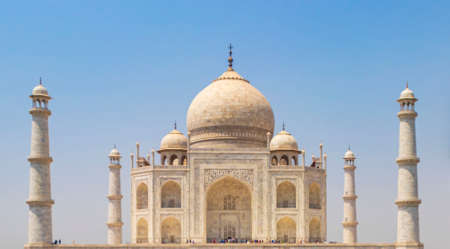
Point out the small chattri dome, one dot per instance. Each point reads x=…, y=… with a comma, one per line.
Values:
x=407, y=94
x=40, y=90
x=114, y=152
x=175, y=140
x=283, y=141
x=349, y=155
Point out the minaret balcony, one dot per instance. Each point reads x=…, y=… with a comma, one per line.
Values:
x=40, y=110
x=410, y=202
x=408, y=159
x=407, y=113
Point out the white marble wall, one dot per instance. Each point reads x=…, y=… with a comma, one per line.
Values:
x=39, y=200
x=114, y=223
x=407, y=195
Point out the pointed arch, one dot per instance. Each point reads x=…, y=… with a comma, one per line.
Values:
x=171, y=195
x=286, y=230
x=174, y=160
x=284, y=160
x=286, y=195
x=184, y=160
x=294, y=160
x=170, y=231
x=314, y=196
x=274, y=161
x=314, y=230
x=142, y=231
x=228, y=210
x=142, y=196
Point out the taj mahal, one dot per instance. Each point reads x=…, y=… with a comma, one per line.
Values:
x=231, y=181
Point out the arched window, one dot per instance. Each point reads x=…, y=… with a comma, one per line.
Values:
x=142, y=231
x=163, y=161
x=170, y=231
x=286, y=230
x=173, y=160
x=284, y=160
x=314, y=230
x=274, y=161
x=171, y=195
x=184, y=160
x=142, y=196
x=314, y=196
x=286, y=195
x=229, y=202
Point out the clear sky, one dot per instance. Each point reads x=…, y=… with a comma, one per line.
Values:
x=122, y=72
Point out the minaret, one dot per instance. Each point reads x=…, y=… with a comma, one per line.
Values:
x=39, y=200
x=349, y=224
x=115, y=197
x=407, y=196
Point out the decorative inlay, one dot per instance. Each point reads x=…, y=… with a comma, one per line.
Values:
x=245, y=175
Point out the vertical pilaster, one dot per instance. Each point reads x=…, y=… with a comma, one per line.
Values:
x=114, y=222
x=39, y=199
x=407, y=194
x=349, y=234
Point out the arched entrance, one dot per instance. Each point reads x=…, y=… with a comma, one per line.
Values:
x=228, y=213
x=286, y=230
x=142, y=231
x=314, y=230
x=170, y=231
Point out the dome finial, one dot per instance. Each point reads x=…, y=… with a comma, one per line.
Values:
x=230, y=58
x=406, y=84
x=175, y=125
x=40, y=81
x=284, y=126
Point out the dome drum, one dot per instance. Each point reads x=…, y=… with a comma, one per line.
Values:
x=233, y=134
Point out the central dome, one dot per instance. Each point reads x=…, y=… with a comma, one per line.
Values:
x=229, y=112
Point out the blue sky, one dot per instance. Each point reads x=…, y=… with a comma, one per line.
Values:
x=122, y=72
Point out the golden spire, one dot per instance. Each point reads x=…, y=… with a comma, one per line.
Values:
x=406, y=84
x=230, y=58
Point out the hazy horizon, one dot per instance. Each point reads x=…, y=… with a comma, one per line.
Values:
x=121, y=73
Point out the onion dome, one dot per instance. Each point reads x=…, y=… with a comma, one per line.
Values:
x=39, y=90
x=114, y=152
x=283, y=141
x=175, y=140
x=407, y=94
x=349, y=155
x=229, y=112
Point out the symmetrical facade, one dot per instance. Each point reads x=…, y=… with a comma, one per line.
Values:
x=228, y=180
